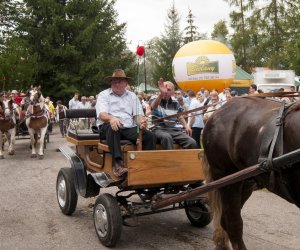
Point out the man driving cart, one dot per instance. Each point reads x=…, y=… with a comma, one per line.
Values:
x=119, y=112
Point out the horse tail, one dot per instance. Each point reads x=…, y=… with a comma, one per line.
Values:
x=220, y=237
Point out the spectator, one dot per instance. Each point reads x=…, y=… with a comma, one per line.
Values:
x=234, y=93
x=183, y=107
x=207, y=97
x=253, y=89
x=91, y=99
x=16, y=98
x=201, y=98
x=73, y=103
x=62, y=122
x=215, y=105
x=84, y=104
x=51, y=109
x=168, y=132
x=195, y=120
x=222, y=95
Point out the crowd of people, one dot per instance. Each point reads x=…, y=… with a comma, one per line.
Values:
x=167, y=117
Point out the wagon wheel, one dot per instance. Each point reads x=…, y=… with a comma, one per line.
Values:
x=198, y=213
x=65, y=191
x=107, y=220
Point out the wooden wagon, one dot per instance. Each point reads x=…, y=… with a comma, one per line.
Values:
x=159, y=173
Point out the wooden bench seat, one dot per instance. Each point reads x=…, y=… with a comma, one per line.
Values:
x=87, y=137
x=83, y=137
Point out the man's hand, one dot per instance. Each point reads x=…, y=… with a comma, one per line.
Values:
x=143, y=123
x=115, y=123
x=161, y=86
x=188, y=130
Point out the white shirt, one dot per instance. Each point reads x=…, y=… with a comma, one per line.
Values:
x=124, y=107
x=87, y=105
x=73, y=103
x=198, y=123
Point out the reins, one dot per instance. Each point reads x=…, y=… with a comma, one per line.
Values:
x=178, y=114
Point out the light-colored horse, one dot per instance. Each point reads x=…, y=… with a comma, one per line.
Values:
x=7, y=126
x=37, y=123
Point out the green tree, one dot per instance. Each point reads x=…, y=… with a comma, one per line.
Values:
x=10, y=10
x=220, y=32
x=240, y=40
x=165, y=48
x=279, y=20
x=191, y=31
x=18, y=65
x=77, y=44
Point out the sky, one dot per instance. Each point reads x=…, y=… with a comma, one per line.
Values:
x=147, y=18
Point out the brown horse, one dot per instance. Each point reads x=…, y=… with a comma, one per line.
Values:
x=237, y=136
x=7, y=126
x=37, y=123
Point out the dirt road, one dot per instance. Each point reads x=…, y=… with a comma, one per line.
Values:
x=30, y=217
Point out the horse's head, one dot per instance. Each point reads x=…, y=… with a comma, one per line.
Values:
x=35, y=95
x=6, y=109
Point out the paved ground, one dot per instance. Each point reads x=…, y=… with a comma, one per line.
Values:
x=31, y=219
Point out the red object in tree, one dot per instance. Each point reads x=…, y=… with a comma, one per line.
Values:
x=4, y=78
x=140, y=50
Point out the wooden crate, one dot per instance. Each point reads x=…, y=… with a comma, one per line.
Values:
x=164, y=166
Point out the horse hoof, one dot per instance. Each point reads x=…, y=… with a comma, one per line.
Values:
x=41, y=157
x=33, y=156
x=1, y=157
x=11, y=153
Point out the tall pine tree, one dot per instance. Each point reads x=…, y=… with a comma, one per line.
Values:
x=166, y=47
x=77, y=44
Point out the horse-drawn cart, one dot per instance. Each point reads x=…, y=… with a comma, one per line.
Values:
x=150, y=173
x=166, y=180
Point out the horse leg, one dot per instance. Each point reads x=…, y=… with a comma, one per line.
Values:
x=231, y=219
x=32, y=142
x=42, y=138
x=1, y=145
x=12, y=140
x=220, y=236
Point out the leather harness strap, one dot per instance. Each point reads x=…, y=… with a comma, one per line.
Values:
x=276, y=172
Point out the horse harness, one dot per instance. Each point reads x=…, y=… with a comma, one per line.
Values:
x=273, y=139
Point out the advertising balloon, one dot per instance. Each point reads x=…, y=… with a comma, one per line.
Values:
x=204, y=64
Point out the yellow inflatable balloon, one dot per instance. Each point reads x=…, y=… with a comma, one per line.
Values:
x=203, y=64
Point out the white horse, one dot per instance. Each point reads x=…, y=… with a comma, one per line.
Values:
x=7, y=126
x=37, y=123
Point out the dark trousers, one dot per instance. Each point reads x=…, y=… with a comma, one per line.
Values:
x=113, y=138
x=167, y=136
x=196, y=133
x=63, y=124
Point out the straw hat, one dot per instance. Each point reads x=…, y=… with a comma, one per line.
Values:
x=117, y=74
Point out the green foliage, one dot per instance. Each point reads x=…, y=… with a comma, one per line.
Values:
x=191, y=31
x=75, y=44
x=265, y=33
x=166, y=47
x=18, y=65
x=220, y=32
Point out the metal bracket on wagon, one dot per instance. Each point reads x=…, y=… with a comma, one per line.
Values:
x=102, y=179
x=78, y=167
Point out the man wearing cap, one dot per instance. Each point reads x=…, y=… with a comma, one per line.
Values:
x=119, y=111
x=15, y=97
